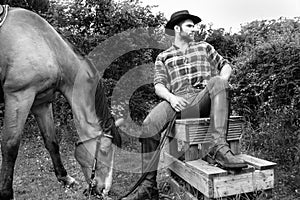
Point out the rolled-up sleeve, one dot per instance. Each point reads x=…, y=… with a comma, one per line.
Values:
x=215, y=59
x=160, y=72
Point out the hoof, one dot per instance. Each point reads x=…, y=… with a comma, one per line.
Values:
x=68, y=181
x=107, y=198
x=103, y=195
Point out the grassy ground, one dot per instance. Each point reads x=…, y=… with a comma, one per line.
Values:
x=34, y=175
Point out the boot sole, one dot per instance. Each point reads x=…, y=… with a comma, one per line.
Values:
x=236, y=166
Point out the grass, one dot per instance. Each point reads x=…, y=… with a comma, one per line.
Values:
x=34, y=175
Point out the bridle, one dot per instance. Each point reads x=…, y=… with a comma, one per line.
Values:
x=106, y=130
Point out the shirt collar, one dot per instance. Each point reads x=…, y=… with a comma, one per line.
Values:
x=176, y=47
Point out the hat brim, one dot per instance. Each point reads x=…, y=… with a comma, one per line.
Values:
x=169, y=28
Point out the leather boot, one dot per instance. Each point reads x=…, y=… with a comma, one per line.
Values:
x=220, y=152
x=224, y=157
x=148, y=189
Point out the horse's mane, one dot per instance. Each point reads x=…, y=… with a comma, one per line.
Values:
x=104, y=113
x=101, y=103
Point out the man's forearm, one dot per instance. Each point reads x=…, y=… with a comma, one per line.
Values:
x=178, y=103
x=163, y=92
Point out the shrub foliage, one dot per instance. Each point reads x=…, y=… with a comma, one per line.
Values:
x=267, y=86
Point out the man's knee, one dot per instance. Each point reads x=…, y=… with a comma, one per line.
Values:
x=149, y=131
x=217, y=80
x=216, y=85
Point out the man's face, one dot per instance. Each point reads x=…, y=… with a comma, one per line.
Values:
x=187, y=29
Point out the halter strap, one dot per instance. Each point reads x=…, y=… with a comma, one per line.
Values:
x=95, y=138
x=106, y=127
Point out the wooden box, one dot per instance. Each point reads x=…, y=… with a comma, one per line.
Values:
x=211, y=181
x=196, y=130
x=214, y=182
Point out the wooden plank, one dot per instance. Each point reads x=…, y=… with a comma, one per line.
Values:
x=243, y=183
x=173, y=147
x=235, y=146
x=179, y=132
x=193, y=121
x=206, y=169
x=176, y=188
x=257, y=162
x=205, y=128
x=194, y=177
x=191, y=151
x=202, y=138
x=232, y=119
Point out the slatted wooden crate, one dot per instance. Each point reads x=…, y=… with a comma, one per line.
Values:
x=196, y=130
x=211, y=181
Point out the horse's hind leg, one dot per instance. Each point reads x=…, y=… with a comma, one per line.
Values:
x=44, y=116
x=17, y=107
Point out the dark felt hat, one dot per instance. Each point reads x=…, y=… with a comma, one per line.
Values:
x=178, y=17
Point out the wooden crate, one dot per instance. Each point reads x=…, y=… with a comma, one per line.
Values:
x=211, y=181
x=196, y=130
x=195, y=133
x=214, y=182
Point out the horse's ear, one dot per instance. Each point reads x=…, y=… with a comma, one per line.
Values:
x=119, y=122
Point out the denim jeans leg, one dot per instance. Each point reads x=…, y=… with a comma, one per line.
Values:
x=158, y=117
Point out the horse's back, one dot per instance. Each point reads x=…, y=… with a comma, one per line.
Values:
x=27, y=52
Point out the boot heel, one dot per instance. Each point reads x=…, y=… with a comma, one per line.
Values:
x=210, y=160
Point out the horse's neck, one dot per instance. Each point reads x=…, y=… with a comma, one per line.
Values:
x=80, y=93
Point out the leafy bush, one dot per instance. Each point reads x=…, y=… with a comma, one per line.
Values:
x=267, y=87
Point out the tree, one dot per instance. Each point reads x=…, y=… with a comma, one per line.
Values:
x=223, y=42
x=35, y=5
x=88, y=23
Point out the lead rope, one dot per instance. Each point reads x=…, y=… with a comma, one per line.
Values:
x=92, y=182
x=154, y=157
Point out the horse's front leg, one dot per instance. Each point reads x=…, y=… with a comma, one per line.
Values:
x=17, y=107
x=44, y=116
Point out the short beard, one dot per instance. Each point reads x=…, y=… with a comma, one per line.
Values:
x=186, y=38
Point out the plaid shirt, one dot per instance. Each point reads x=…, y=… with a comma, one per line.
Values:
x=177, y=70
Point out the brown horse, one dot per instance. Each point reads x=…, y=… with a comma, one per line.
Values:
x=35, y=62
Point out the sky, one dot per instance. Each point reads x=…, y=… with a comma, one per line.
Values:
x=230, y=14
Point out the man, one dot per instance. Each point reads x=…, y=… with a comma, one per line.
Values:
x=189, y=76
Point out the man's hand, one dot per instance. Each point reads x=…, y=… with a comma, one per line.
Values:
x=178, y=103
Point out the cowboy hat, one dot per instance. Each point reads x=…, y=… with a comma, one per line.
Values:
x=178, y=17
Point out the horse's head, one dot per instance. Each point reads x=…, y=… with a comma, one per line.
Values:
x=96, y=157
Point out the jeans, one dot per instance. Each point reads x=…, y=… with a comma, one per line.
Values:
x=200, y=104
